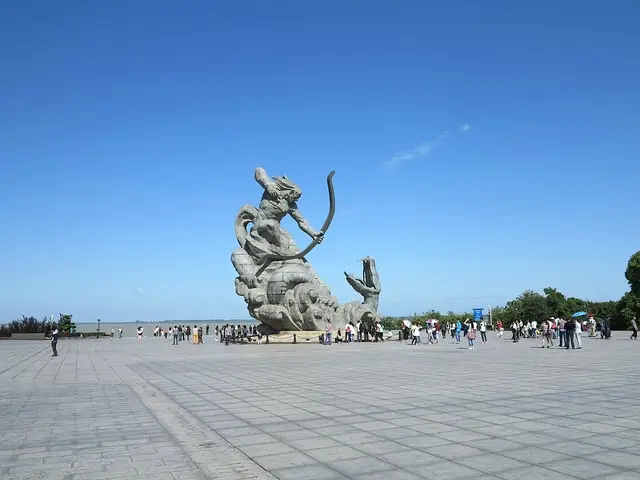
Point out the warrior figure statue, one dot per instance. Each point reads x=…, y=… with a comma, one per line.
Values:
x=280, y=287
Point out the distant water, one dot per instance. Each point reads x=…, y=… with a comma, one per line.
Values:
x=129, y=328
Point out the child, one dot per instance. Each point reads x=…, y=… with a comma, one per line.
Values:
x=471, y=337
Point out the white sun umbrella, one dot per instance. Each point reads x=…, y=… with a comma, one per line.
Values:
x=406, y=323
x=433, y=320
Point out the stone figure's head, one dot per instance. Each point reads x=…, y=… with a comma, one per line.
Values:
x=287, y=189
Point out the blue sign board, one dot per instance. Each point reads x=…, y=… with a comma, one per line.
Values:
x=477, y=314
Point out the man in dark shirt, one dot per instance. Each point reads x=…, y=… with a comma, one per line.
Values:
x=570, y=328
x=54, y=342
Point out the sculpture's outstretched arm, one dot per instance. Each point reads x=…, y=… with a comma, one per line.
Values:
x=302, y=222
x=265, y=181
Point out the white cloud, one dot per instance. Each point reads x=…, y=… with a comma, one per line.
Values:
x=400, y=157
x=139, y=289
x=422, y=150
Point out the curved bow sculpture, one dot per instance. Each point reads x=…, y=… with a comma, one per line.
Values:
x=267, y=259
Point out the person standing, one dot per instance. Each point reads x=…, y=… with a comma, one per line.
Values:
x=634, y=327
x=416, y=334
x=328, y=330
x=546, y=334
x=54, y=342
x=483, y=331
x=578, y=333
x=562, y=330
x=514, y=332
x=471, y=338
x=569, y=330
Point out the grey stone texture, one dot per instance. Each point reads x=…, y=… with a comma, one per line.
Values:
x=115, y=409
x=281, y=289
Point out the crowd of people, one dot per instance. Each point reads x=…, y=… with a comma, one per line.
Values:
x=568, y=333
x=224, y=333
x=354, y=332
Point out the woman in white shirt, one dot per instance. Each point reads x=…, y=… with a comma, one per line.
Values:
x=483, y=331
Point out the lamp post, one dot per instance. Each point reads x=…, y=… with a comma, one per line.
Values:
x=98, y=329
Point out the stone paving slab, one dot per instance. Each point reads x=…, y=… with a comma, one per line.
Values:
x=115, y=409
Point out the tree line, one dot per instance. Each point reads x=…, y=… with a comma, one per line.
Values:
x=33, y=325
x=531, y=305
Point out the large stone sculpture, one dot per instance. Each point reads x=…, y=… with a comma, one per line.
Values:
x=280, y=287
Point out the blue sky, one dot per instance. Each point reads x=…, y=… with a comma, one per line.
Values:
x=481, y=148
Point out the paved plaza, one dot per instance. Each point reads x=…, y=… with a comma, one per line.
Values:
x=115, y=409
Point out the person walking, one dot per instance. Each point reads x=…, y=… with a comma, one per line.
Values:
x=54, y=342
x=175, y=335
x=634, y=327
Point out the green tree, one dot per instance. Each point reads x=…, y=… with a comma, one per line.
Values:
x=66, y=324
x=576, y=305
x=605, y=309
x=627, y=308
x=532, y=306
x=632, y=275
x=556, y=303
x=31, y=325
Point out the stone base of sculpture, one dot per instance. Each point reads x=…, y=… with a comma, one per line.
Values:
x=280, y=287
